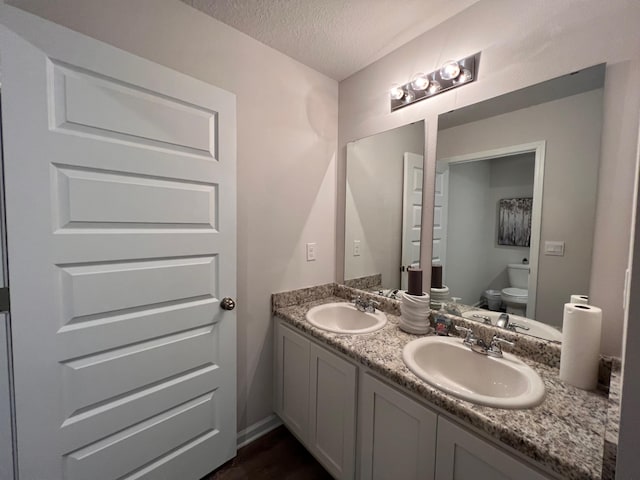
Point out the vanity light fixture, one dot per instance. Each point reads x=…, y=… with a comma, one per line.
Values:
x=451, y=75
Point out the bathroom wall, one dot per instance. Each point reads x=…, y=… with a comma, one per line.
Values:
x=374, y=202
x=523, y=43
x=511, y=177
x=628, y=463
x=475, y=262
x=287, y=127
x=572, y=128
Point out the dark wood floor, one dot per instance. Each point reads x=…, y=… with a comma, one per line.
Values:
x=274, y=456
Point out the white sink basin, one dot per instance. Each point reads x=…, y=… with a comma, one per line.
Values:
x=536, y=329
x=343, y=317
x=447, y=364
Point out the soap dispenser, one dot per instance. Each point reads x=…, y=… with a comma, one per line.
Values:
x=453, y=308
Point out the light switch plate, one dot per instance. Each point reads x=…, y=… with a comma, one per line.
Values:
x=554, y=248
x=311, y=252
x=356, y=248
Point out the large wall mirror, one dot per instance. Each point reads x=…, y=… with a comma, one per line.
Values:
x=515, y=197
x=516, y=190
x=383, y=207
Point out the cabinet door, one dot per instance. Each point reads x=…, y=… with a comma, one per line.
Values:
x=397, y=435
x=461, y=455
x=332, y=412
x=292, y=380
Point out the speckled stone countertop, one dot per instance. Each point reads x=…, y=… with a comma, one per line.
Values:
x=565, y=433
x=613, y=421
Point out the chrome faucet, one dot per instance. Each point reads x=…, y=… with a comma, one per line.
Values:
x=478, y=346
x=504, y=322
x=366, y=305
x=470, y=340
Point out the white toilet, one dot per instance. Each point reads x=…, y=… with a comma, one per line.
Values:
x=516, y=295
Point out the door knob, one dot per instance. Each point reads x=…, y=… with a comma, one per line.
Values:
x=228, y=303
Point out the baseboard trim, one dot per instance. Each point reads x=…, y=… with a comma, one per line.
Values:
x=258, y=429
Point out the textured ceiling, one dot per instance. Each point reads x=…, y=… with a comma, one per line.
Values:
x=335, y=37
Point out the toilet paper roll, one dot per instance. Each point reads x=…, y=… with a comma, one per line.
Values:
x=580, y=353
x=582, y=299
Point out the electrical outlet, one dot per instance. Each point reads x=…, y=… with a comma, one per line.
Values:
x=356, y=248
x=311, y=252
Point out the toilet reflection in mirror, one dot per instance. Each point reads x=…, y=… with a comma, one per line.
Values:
x=542, y=142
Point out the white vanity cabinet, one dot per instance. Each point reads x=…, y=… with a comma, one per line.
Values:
x=320, y=396
x=397, y=436
x=292, y=380
x=316, y=399
x=462, y=455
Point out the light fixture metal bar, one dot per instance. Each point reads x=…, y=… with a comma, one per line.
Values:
x=468, y=74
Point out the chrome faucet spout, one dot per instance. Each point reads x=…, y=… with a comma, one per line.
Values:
x=365, y=305
x=503, y=321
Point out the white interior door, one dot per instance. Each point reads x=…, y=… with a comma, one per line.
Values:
x=120, y=192
x=6, y=369
x=411, y=214
x=440, y=203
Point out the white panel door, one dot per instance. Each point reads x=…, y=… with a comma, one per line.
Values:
x=411, y=214
x=120, y=189
x=440, y=203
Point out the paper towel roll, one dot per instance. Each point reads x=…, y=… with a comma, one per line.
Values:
x=582, y=299
x=580, y=353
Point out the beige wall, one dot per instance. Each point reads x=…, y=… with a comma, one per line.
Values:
x=571, y=128
x=287, y=117
x=375, y=171
x=522, y=43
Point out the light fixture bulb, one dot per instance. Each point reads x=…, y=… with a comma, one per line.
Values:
x=419, y=81
x=409, y=96
x=434, y=87
x=396, y=91
x=450, y=70
x=465, y=76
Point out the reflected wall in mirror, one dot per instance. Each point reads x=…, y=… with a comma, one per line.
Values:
x=384, y=207
x=542, y=142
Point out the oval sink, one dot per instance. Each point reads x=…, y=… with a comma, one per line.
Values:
x=535, y=328
x=341, y=317
x=447, y=364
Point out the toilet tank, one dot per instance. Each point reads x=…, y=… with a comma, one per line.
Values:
x=518, y=275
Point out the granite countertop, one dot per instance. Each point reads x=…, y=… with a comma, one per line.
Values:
x=566, y=433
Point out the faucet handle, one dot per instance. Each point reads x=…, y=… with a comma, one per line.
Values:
x=468, y=339
x=495, y=347
x=513, y=326
x=496, y=339
x=371, y=305
x=485, y=319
